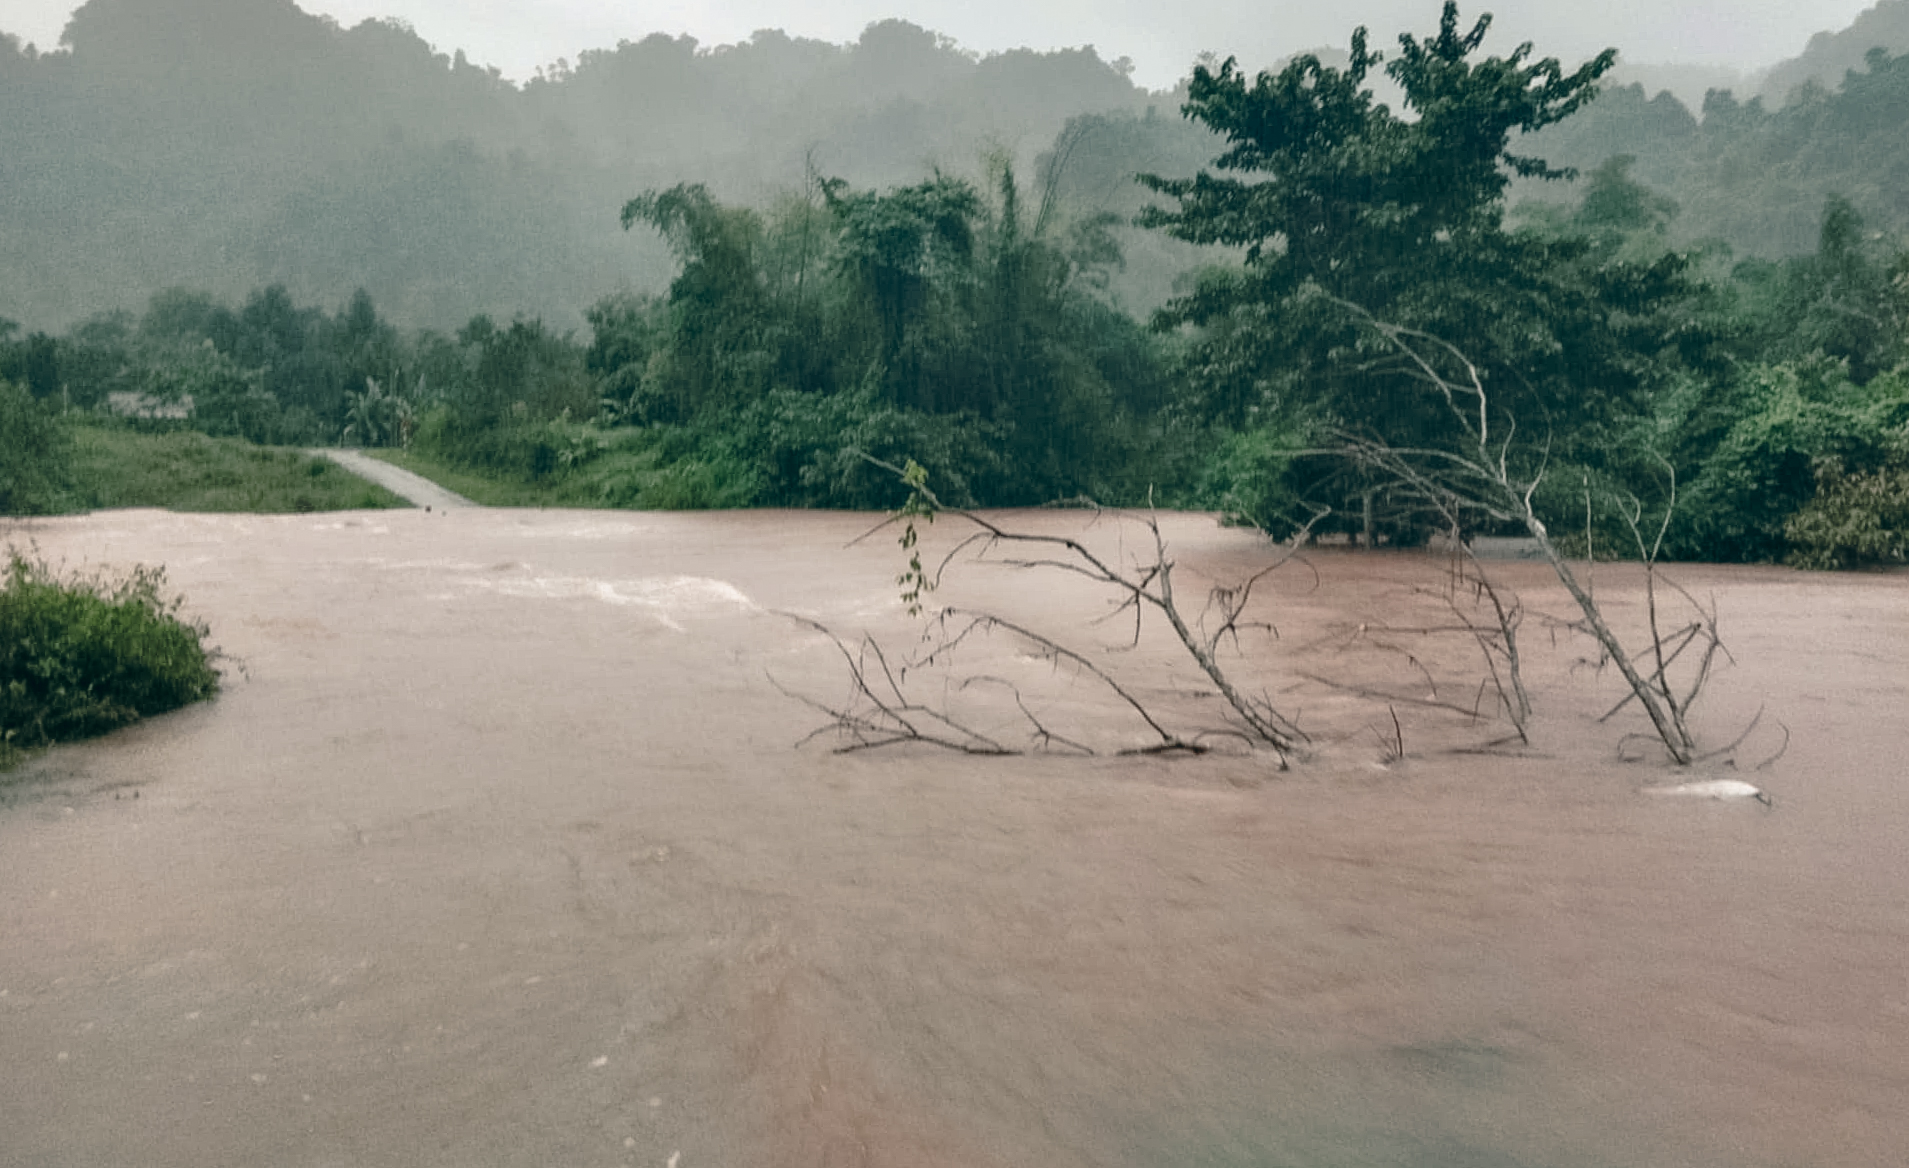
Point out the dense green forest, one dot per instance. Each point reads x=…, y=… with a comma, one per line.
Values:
x=1752, y=175
x=981, y=318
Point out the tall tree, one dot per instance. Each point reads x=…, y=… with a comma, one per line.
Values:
x=1333, y=198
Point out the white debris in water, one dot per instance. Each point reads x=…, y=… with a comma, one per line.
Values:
x=602, y=1060
x=1714, y=789
x=664, y=597
x=673, y=1157
x=435, y=565
x=584, y=529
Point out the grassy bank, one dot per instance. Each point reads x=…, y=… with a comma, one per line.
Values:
x=116, y=466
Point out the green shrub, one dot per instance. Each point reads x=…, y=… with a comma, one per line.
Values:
x=806, y=450
x=34, y=454
x=1856, y=517
x=84, y=655
x=1791, y=419
x=1246, y=476
x=518, y=447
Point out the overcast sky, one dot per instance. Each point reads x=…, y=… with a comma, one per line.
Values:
x=1161, y=36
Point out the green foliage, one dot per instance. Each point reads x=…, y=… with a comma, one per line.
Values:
x=260, y=143
x=1752, y=175
x=377, y=418
x=33, y=362
x=982, y=328
x=116, y=465
x=915, y=581
x=515, y=445
x=1849, y=301
x=810, y=451
x=1856, y=517
x=1349, y=186
x=1788, y=421
x=1338, y=199
x=1829, y=56
x=269, y=372
x=923, y=319
x=228, y=401
x=1334, y=200
x=34, y=472
x=1247, y=478
x=84, y=655
x=522, y=372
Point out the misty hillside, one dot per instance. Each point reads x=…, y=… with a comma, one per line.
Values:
x=224, y=144
x=1687, y=83
x=1754, y=177
x=1830, y=55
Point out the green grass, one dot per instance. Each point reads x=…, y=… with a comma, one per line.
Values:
x=182, y=470
x=83, y=655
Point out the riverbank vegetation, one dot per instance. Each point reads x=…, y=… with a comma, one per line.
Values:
x=973, y=322
x=84, y=654
x=66, y=461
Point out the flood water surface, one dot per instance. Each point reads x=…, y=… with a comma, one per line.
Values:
x=498, y=848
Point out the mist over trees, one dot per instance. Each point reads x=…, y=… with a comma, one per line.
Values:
x=1755, y=172
x=1831, y=54
x=230, y=144
x=234, y=144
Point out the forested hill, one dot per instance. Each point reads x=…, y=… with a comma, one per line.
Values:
x=1830, y=55
x=227, y=144
x=1754, y=177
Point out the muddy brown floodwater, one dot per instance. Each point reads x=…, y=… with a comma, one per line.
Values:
x=500, y=851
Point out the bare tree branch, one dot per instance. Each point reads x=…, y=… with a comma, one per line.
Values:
x=1478, y=479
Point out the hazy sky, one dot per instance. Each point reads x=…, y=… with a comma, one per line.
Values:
x=1161, y=36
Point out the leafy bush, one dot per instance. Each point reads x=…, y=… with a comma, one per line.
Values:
x=1857, y=517
x=807, y=450
x=693, y=483
x=89, y=654
x=1790, y=419
x=1247, y=478
x=33, y=469
x=516, y=446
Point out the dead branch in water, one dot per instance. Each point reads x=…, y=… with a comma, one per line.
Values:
x=1490, y=618
x=951, y=626
x=880, y=712
x=1477, y=477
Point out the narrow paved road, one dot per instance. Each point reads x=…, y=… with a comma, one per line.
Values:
x=422, y=492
